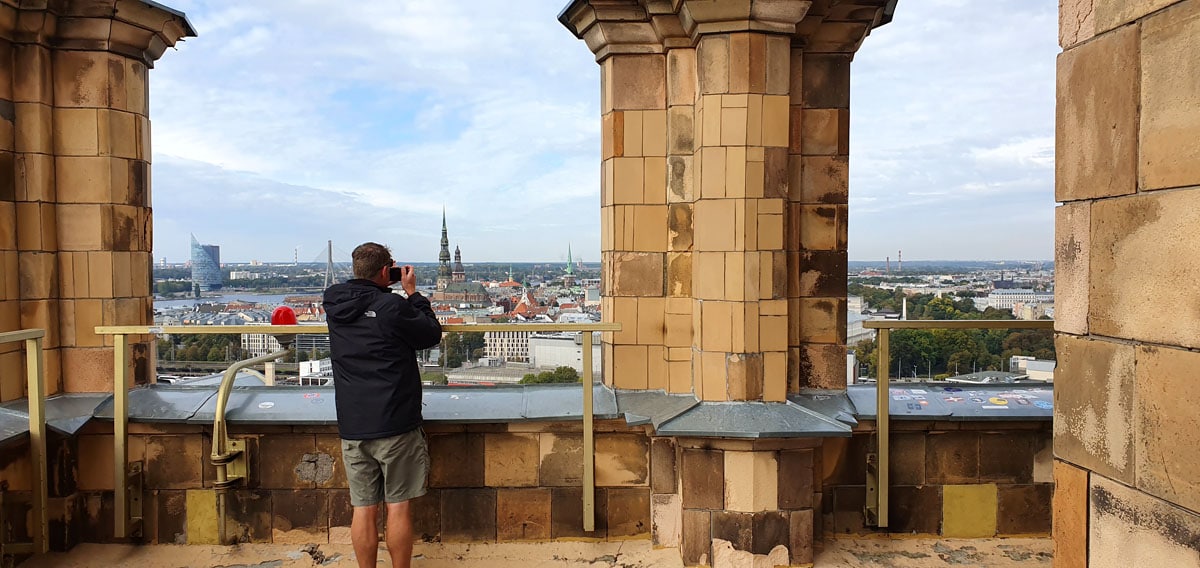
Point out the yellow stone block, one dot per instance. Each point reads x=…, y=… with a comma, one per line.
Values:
x=750, y=276
x=84, y=227
x=733, y=126
x=679, y=306
x=100, y=274
x=607, y=183
x=751, y=481
x=773, y=333
x=681, y=376
x=201, y=516
x=711, y=119
x=755, y=177
x=608, y=125
x=606, y=228
x=751, y=327
x=75, y=132
x=772, y=307
x=735, y=171
x=625, y=312
x=712, y=63
x=969, y=511
x=122, y=276
x=678, y=330
x=775, y=379
x=511, y=460
x=708, y=275
x=655, y=180
x=775, y=121
x=35, y=178
x=681, y=76
x=679, y=354
x=714, y=222
x=734, y=101
x=34, y=126
x=627, y=180
x=754, y=120
x=650, y=320
x=657, y=375
x=770, y=230
x=632, y=136
x=712, y=172
x=716, y=321
x=630, y=366
x=83, y=179
x=737, y=339
x=735, y=283
x=117, y=134
x=650, y=228
x=713, y=363
x=747, y=225
x=766, y=275
x=654, y=133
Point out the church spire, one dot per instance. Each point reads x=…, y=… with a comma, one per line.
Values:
x=443, y=277
x=570, y=269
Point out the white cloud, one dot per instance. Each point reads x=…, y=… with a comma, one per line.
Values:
x=363, y=121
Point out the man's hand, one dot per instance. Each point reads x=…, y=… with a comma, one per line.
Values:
x=408, y=279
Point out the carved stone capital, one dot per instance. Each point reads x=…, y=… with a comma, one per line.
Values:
x=700, y=17
x=133, y=28
x=611, y=27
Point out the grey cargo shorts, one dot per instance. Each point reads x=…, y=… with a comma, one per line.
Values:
x=392, y=469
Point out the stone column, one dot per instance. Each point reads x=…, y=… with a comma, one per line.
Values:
x=740, y=308
x=1127, y=172
x=81, y=178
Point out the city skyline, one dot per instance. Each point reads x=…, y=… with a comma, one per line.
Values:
x=263, y=148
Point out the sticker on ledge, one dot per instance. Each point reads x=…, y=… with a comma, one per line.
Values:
x=998, y=401
x=1043, y=404
x=266, y=405
x=952, y=399
x=312, y=395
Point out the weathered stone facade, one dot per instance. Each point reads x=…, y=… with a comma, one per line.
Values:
x=75, y=218
x=725, y=143
x=1128, y=177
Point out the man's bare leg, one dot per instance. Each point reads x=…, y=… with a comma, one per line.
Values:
x=364, y=535
x=399, y=534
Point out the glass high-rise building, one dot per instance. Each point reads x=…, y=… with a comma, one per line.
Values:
x=206, y=266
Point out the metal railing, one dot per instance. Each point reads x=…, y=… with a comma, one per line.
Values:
x=876, y=509
x=37, y=439
x=127, y=499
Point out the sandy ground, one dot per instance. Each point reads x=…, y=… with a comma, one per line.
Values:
x=852, y=553
x=905, y=552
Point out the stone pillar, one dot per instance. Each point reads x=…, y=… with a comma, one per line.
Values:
x=80, y=178
x=723, y=211
x=1127, y=172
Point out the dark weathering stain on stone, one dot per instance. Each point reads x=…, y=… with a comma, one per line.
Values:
x=1171, y=526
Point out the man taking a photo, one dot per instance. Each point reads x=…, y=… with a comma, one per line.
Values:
x=374, y=336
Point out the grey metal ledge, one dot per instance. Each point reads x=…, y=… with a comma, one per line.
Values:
x=753, y=420
x=652, y=407
x=65, y=413
x=1029, y=400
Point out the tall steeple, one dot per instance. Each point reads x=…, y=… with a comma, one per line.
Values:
x=459, y=274
x=570, y=269
x=443, y=277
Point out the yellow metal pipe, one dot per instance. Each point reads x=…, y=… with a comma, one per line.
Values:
x=220, y=449
x=323, y=329
x=589, y=440
x=882, y=426
x=220, y=439
x=37, y=440
x=120, y=436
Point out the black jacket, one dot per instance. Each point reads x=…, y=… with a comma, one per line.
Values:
x=373, y=338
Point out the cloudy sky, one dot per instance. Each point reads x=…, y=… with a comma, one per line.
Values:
x=287, y=123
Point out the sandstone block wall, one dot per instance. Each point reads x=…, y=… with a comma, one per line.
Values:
x=1128, y=178
x=954, y=479
x=724, y=149
x=75, y=217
